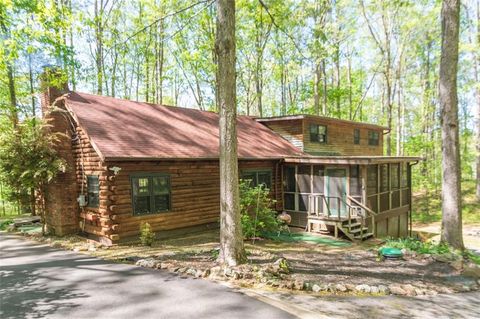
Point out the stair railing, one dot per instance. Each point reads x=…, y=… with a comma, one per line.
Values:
x=367, y=213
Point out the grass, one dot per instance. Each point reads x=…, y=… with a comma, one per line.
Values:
x=427, y=208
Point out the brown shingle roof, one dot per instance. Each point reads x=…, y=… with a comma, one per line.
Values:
x=121, y=129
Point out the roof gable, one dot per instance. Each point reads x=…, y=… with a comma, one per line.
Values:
x=122, y=129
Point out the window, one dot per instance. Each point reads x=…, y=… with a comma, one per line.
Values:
x=373, y=138
x=289, y=179
x=356, y=136
x=258, y=178
x=93, y=188
x=318, y=133
x=150, y=194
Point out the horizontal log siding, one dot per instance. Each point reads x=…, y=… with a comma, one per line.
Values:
x=195, y=195
x=94, y=221
x=291, y=130
x=340, y=140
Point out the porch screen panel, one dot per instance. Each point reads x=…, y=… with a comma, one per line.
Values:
x=355, y=184
x=372, y=180
x=384, y=186
x=289, y=179
x=318, y=179
x=289, y=201
x=302, y=203
x=303, y=179
x=289, y=187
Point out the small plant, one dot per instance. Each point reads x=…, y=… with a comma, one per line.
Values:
x=256, y=209
x=418, y=246
x=147, y=236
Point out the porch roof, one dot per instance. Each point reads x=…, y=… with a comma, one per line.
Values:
x=359, y=160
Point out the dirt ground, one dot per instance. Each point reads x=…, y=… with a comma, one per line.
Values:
x=325, y=265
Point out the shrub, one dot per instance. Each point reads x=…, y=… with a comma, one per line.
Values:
x=418, y=246
x=256, y=210
x=147, y=236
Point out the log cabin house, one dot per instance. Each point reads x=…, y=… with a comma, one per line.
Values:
x=131, y=162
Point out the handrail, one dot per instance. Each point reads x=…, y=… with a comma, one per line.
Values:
x=368, y=210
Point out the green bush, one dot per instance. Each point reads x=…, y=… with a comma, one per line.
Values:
x=418, y=246
x=147, y=236
x=5, y=223
x=256, y=209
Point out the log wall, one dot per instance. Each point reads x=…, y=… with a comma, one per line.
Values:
x=195, y=196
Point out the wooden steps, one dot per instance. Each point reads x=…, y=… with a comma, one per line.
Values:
x=353, y=229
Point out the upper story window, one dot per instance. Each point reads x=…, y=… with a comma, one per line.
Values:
x=93, y=189
x=356, y=136
x=150, y=194
x=258, y=177
x=318, y=133
x=373, y=138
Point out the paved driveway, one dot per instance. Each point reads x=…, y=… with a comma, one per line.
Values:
x=37, y=281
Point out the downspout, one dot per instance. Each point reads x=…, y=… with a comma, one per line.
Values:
x=411, y=197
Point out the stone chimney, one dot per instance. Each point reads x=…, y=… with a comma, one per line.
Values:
x=53, y=84
x=62, y=211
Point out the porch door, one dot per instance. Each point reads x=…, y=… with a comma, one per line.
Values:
x=336, y=190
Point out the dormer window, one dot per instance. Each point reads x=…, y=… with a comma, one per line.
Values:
x=318, y=133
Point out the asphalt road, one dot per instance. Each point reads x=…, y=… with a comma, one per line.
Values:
x=37, y=281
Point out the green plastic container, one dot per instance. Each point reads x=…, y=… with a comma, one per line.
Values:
x=391, y=252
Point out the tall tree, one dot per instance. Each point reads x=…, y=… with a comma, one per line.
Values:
x=477, y=93
x=451, y=196
x=232, y=251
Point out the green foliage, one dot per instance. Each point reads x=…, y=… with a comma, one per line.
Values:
x=28, y=160
x=256, y=209
x=147, y=236
x=418, y=246
x=4, y=223
x=427, y=206
x=473, y=257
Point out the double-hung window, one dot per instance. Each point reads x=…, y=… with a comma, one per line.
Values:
x=258, y=177
x=318, y=133
x=373, y=138
x=93, y=190
x=150, y=194
x=356, y=136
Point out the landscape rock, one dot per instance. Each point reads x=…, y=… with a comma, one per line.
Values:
x=147, y=263
x=316, y=288
x=363, y=288
x=457, y=264
x=383, y=289
x=340, y=287
x=206, y=273
x=298, y=284
x=472, y=270
x=350, y=287
x=409, y=289
x=397, y=290
x=191, y=272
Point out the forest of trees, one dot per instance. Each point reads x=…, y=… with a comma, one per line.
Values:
x=365, y=60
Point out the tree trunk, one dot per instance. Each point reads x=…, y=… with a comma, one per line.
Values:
x=451, y=188
x=477, y=80
x=99, y=45
x=231, y=239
